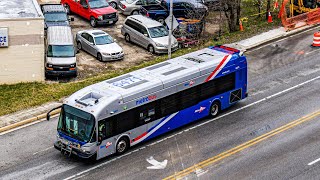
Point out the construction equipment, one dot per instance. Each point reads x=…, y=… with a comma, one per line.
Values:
x=302, y=6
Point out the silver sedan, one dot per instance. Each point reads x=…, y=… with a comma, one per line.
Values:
x=99, y=44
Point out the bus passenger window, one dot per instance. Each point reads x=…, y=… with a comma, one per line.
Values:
x=101, y=131
x=109, y=129
x=151, y=112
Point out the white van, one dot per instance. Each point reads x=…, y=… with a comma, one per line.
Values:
x=60, y=52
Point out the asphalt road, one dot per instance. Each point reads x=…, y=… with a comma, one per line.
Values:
x=284, y=86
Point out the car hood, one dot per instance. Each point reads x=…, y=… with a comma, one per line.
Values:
x=106, y=10
x=165, y=40
x=109, y=48
x=61, y=60
x=127, y=4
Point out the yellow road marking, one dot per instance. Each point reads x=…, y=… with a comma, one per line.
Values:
x=243, y=146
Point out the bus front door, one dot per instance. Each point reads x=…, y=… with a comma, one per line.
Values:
x=105, y=139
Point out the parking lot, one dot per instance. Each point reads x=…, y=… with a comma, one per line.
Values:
x=89, y=66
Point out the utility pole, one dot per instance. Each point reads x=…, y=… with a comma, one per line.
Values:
x=170, y=28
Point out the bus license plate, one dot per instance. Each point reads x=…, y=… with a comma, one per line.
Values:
x=110, y=22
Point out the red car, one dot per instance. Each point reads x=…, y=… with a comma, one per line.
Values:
x=97, y=11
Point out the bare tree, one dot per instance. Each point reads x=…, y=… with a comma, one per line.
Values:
x=232, y=12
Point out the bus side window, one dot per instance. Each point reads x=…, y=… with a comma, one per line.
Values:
x=109, y=129
x=169, y=105
x=101, y=130
x=146, y=113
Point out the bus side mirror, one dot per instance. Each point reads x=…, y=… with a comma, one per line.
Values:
x=48, y=114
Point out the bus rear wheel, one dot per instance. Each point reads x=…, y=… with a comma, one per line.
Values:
x=214, y=109
x=122, y=145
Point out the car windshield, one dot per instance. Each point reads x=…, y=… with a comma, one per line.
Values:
x=95, y=4
x=76, y=123
x=60, y=51
x=129, y=1
x=159, y=31
x=100, y=40
x=55, y=17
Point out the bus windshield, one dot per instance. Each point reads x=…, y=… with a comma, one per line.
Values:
x=76, y=123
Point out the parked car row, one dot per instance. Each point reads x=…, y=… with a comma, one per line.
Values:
x=60, y=53
x=146, y=29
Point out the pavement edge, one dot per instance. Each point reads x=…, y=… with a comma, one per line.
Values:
x=27, y=121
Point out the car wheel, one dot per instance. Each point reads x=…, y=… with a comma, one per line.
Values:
x=151, y=49
x=214, y=109
x=113, y=5
x=93, y=22
x=67, y=7
x=135, y=12
x=99, y=57
x=127, y=37
x=122, y=145
x=161, y=20
x=79, y=46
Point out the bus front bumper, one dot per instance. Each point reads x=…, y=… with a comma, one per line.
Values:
x=68, y=150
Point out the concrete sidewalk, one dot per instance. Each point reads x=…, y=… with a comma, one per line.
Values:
x=267, y=37
x=38, y=112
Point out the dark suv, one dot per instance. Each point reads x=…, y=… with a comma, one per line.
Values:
x=190, y=9
x=55, y=15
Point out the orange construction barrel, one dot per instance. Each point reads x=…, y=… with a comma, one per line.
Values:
x=316, y=39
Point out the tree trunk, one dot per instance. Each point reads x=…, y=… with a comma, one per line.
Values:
x=268, y=9
x=232, y=12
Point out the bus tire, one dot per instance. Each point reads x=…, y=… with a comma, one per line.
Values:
x=122, y=145
x=214, y=109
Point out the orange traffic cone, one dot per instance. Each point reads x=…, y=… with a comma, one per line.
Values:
x=269, y=17
x=316, y=39
x=240, y=24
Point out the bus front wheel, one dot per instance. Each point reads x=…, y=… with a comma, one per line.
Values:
x=122, y=145
x=214, y=109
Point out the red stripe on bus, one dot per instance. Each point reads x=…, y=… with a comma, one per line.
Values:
x=139, y=137
x=217, y=68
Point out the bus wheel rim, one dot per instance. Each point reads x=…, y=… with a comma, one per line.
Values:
x=214, y=110
x=121, y=146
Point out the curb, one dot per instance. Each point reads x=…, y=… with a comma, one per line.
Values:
x=27, y=121
x=290, y=33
